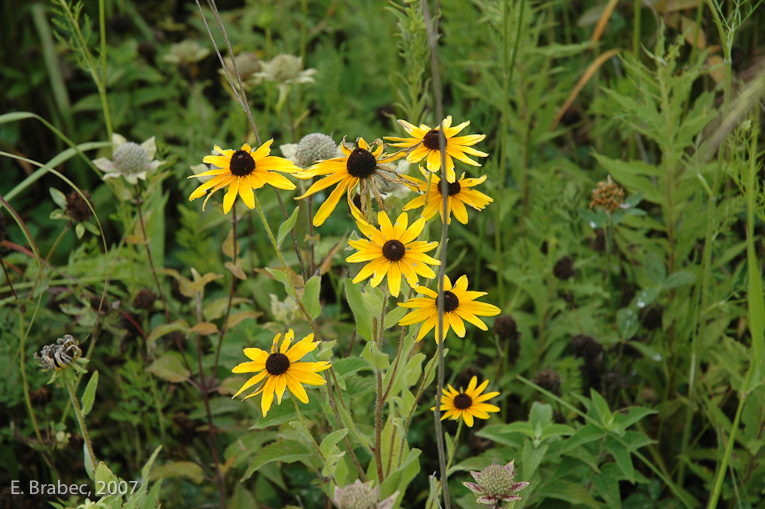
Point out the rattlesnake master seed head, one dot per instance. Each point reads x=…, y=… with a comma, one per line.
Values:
x=495, y=483
x=130, y=157
x=315, y=147
x=361, y=496
x=496, y=480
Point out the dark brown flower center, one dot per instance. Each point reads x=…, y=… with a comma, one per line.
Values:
x=462, y=401
x=454, y=188
x=277, y=364
x=451, y=302
x=242, y=163
x=430, y=140
x=361, y=163
x=394, y=250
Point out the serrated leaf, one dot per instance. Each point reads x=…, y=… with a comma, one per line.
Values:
x=286, y=227
x=311, y=296
x=284, y=451
x=607, y=485
x=555, y=430
x=540, y=415
x=635, y=414
x=89, y=396
x=601, y=406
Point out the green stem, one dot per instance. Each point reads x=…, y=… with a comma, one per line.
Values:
x=305, y=428
x=637, y=8
x=102, y=88
x=81, y=421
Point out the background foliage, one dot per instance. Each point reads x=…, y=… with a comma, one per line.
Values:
x=634, y=381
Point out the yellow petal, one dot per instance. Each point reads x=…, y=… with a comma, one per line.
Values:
x=228, y=200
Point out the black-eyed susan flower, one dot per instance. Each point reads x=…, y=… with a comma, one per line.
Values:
x=424, y=144
x=357, y=169
x=460, y=194
x=494, y=485
x=467, y=404
x=242, y=171
x=393, y=251
x=459, y=305
x=281, y=370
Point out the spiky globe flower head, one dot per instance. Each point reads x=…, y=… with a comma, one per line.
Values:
x=129, y=160
x=495, y=483
x=361, y=496
x=313, y=148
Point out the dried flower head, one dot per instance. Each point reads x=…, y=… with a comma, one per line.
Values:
x=587, y=348
x=548, y=380
x=564, y=268
x=129, y=160
x=144, y=299
x=77, y=207
x=60, y=354
x=361, y=496
x=506, y=328
x=495, y=483
x=608, y=196
x=186, y=52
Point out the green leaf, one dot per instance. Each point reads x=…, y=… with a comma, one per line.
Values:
x=286, y=451
x=400, y=478
x=586, y=434
x=169, y=367
x=532, y=458
x=678, y=279
x=519, y=427
x=607, y=485
x=284, y=279
x=377, y=359
x=79, y=230
x=89, y=396
x=628, y=322
x=186, y=469
x=540, y=415
x=576, y=494
x=104, y=475
x=655, y=268
x=622, y=456
x=331, y=440
x=286, y=227
x=601, y=407
x=167, y=328
x=635, y=414
x=311, y=296
x=361, y=315
x=58, y=197
x=555, y=430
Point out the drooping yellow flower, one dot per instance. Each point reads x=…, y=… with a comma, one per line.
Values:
x=358, y=168
x=460, y=194
x=425, y=145
x=467, y=404
x=459, y=305
x=392, y=250
x=281, y=370
x=242, y=171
